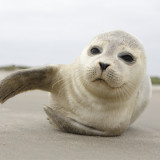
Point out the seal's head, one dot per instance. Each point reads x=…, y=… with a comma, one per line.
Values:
x=113, y=61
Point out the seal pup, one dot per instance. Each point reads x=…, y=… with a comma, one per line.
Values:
x=101, y=93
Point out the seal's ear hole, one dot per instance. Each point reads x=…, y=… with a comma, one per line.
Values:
x=127, y=57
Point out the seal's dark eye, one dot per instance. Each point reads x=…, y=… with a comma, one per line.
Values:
x=95, y=51
x=127, y=58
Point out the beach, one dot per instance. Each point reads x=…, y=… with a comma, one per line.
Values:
x=25, y=134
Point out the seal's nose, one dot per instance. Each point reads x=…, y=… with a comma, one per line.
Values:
x=103, y=66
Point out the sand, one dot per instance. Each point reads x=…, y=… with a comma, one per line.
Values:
x=25, y=134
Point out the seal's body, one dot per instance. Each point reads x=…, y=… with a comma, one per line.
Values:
x=101, y=93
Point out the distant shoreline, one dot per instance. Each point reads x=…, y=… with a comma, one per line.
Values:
x=11, y=68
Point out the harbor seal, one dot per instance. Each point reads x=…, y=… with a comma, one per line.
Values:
x=101, y=93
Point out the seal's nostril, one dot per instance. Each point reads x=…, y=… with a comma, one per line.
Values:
x=103, y=66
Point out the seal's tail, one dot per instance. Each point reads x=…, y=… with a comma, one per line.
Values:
x=70, y=125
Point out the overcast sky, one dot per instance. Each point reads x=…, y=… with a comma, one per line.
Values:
x=39, y=32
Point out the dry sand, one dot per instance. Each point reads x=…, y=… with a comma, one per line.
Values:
x=25, y=134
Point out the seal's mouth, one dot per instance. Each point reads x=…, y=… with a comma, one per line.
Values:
x=104, y=82
x=100, y=79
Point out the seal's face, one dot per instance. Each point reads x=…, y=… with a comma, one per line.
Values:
x=114, y=60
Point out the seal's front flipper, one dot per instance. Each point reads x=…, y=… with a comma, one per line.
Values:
x=70, y=125
x=28, y=79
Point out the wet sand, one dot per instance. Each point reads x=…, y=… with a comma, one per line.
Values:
x=25, y=134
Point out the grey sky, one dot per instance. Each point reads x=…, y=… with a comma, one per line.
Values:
x=38, y=32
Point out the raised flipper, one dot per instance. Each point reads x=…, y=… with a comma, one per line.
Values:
x=28, y=79
x=70, y=125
